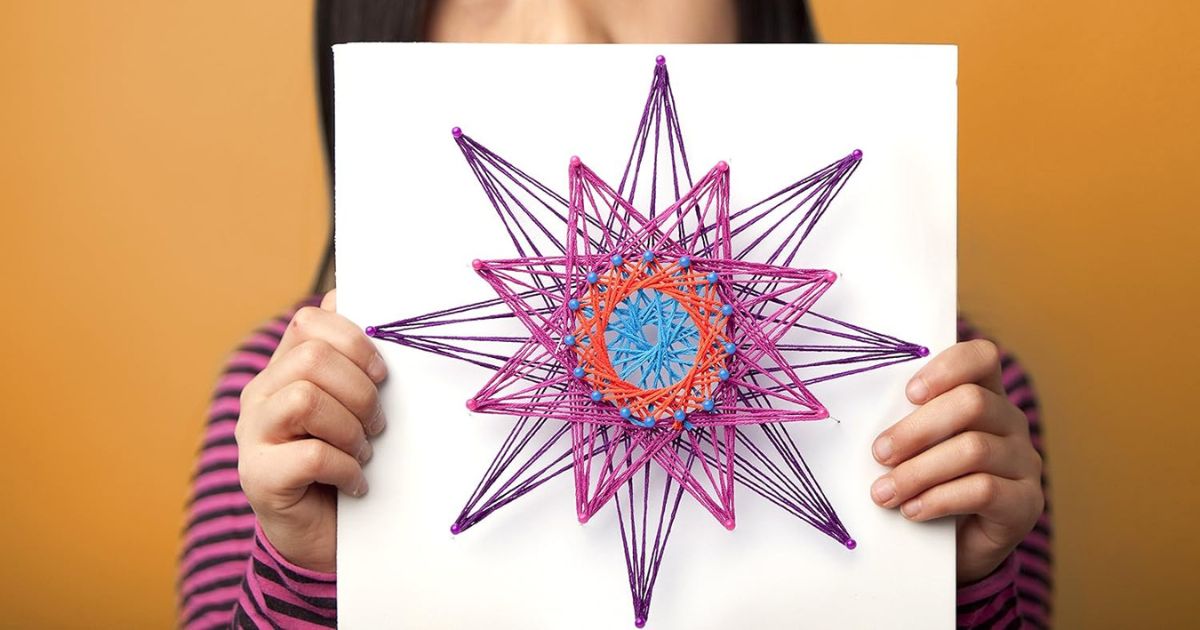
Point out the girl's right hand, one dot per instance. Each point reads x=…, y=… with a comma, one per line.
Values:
x=303, y=432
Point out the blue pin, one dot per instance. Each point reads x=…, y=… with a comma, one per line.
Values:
x=578, y=372
x=648, y=257
x=569, y=340
x=680, y=415
x=685, y=261
x=730, y=347
x=723, y=374
x=708, y=405
x=573, y=304
x=596, y=396
x=727, y=310
x=711, y=277
x=617, y=260
x=592, y=278
x=626, y=413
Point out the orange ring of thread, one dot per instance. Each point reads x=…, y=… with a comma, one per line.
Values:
x=689, y=392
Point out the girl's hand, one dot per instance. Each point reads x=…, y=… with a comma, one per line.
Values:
x=965, y=451
x=303, y=432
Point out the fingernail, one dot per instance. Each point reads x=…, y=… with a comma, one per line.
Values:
x=882, y=449
x=364, y=452
x=911, y=509
x=375, y=427
x=917, y=390
x=883, y=490
x=362, y=488
x=376, y=369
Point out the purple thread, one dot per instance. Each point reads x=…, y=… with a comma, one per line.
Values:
x=532, y=375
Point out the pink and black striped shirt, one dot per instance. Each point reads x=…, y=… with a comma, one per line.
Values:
x=231, y=576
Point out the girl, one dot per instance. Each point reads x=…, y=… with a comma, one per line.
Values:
x=294, y=412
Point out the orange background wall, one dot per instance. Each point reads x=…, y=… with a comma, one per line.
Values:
x=163, y=191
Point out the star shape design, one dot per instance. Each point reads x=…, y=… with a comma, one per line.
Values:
x=669, y=340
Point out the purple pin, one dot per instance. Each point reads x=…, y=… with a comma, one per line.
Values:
x=477, y=264
x=371, y=330
x=455, y=529
x=660, y=60
x=722, y=166
x=851, y=543
x=640, y=621
x=575, y=162
x=472, y=405
x=456, y=132
x=856, y=154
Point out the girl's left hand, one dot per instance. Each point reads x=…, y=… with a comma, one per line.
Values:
x=965, y=451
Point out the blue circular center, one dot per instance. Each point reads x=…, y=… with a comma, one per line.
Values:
x=651, y=339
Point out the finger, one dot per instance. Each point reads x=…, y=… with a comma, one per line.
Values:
x=976, y=361
x=329, y=302
x=993, y=498
x=322, y=365
x=964, y=408
x=310, y=323
x=302, y=409
x=965, y=453
x=301, y=463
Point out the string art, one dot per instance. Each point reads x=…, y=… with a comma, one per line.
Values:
x=669, y=340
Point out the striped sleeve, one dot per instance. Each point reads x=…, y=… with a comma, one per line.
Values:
x=1018, y=594
x=229, y=574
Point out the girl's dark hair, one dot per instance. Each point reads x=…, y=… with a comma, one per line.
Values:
x=345, y=21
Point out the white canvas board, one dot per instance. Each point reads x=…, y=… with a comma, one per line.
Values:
x=410, y=218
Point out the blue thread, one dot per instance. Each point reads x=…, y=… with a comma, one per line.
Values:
x=651, y=339
x=689, y=426
x=648, y=423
